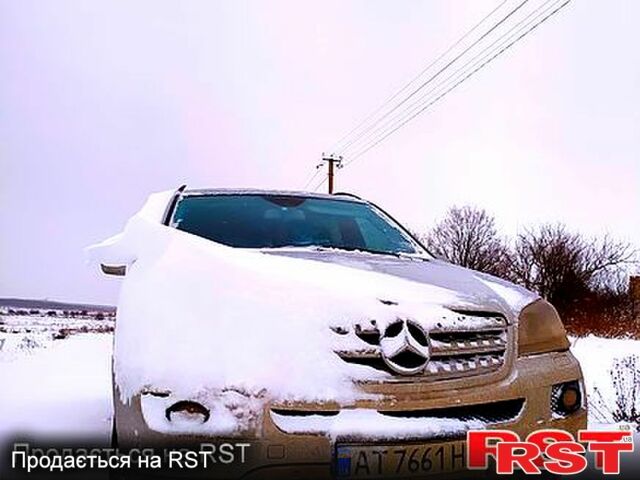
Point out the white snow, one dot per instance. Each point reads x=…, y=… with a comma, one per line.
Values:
x=23, y=334
x=231, y=413
x=66, y=388
x=596, y=356
x=61, y=390
x=368, y=424
x=515, y=296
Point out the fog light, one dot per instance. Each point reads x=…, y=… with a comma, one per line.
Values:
x=570, y=399
x=187, y=411
x=566, y=398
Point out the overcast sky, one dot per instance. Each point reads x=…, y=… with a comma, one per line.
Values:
x=102, y=103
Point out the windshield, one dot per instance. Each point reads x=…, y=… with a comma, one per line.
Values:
x=275, y=221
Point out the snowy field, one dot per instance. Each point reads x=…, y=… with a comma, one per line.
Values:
x=64, y=386
x=596, y=356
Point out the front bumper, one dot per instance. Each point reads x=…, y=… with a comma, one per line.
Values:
x=278, y=454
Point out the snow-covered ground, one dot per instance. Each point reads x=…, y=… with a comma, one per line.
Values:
x=21, y=333
x=64, y=386
x=596, y=356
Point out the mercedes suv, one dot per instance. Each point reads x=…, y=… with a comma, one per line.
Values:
x=497, y=359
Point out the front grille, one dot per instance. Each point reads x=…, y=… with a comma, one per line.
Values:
x=461, y=344
x=489, y=413
x=309, y=420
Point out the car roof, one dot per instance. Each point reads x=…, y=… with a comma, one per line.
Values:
x=193, y=192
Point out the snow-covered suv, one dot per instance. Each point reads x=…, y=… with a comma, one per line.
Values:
x=321, y=333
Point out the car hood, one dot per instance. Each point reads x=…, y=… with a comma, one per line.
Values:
x=485, y=292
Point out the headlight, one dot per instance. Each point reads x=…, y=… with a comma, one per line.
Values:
x=540, y=330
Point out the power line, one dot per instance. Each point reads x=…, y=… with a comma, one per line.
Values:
x=369, y=147
x=460, y=72
x=472, y=61
x=466, y=77
x=414, y=79
x=315, y=174
x=322, y=182
x=438, y=73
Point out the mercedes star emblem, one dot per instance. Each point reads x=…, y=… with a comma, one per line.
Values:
x=405, y=347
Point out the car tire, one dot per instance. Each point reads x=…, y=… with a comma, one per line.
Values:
x=114, y=474
x=114, y=434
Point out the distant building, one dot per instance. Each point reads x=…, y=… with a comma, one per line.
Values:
x=634, y=293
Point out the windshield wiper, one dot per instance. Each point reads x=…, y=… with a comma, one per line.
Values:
x=383, y=252
x=325, y=248
x=368, y=250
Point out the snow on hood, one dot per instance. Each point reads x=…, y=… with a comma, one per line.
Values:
x=488, y=292
x=194, y=315
x=515, y=296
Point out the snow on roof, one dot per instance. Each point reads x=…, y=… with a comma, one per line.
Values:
x=258, y=191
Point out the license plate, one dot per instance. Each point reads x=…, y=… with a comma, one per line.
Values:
x=405, y=460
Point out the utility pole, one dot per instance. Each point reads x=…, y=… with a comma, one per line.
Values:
x=333, y=162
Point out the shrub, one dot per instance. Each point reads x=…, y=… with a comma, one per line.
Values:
x=625, y=383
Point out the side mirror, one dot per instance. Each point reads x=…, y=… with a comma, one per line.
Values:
x=115, y=270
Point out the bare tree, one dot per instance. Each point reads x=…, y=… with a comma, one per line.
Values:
x=585, y=278
x=565, y=267
x=467, y=236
